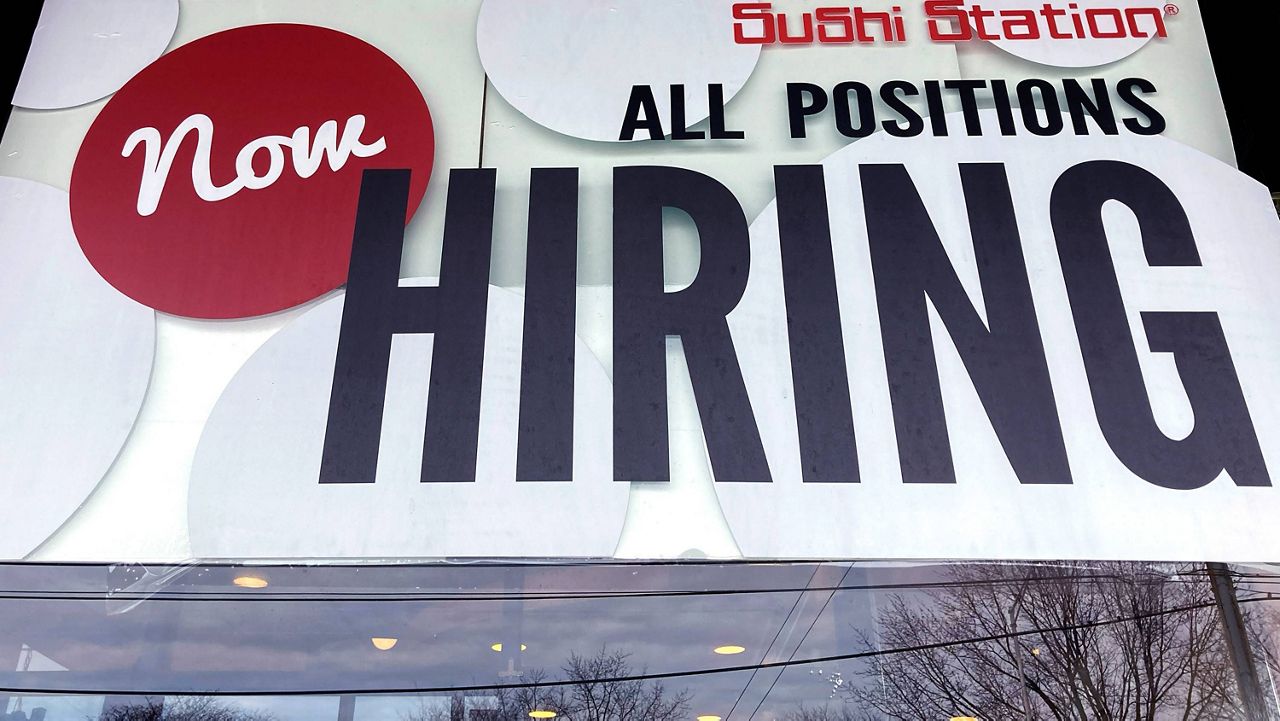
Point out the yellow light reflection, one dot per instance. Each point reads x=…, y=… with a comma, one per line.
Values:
x=383, y=643
x=729, y=650
x=537, y=713
x=498, y=647
x=250, y=582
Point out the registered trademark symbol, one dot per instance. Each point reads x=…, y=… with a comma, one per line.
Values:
x=1171, y=9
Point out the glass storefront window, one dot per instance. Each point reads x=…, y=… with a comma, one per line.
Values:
x=800, y=641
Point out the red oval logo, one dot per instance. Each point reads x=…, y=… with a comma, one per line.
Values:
x=222, y=180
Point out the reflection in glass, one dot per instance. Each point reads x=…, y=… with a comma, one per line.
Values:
x=626, y=642
x=186, y=708
x=1061, y=641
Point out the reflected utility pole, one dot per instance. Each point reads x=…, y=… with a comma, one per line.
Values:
x=1237, y=638
x=346, y=708
x=1017, y=649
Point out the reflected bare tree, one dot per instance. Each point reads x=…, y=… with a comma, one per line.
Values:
x=586, y=699
x=827, y=713
x=1167, y=662
x=180, y=708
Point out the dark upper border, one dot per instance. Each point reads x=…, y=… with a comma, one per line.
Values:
x=19, y=25
x=1240, y=35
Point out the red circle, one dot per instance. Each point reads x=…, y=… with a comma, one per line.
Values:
x=259, y=250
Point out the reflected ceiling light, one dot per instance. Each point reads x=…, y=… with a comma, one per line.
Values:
x=250, y=582
x=537, y=713
x=729, y=650
x=708, y=718
x=383, y=643
x=498, y=647
x=965, y=718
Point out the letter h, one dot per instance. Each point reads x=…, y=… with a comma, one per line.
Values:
x=377, y=307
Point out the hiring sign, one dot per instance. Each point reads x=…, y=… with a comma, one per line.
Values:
x=946, y=315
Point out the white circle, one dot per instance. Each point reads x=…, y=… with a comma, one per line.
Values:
x=1075, y=52
x=74, y=367
x=255, y=490
x=570, y=66
x=85, y=51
